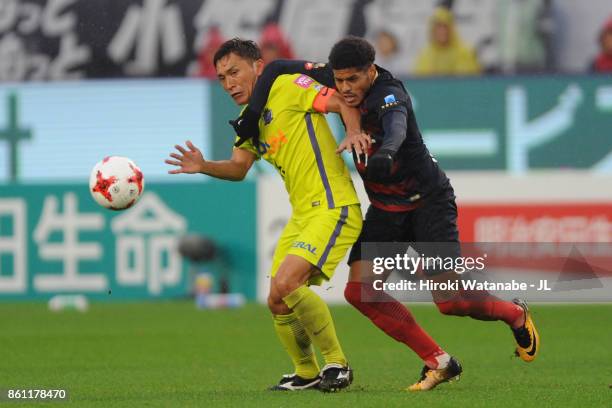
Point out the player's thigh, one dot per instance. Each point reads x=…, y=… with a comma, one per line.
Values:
x=363, y=271
x=290, y=234
x=434, y=227
x=293, y=272
x=381, y=236
x=326, y=237
x=436, y=220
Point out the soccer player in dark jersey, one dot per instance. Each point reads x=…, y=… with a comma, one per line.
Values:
x=411, y=199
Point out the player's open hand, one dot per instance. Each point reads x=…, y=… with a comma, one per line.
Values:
x=189, y=160
x=356, y=141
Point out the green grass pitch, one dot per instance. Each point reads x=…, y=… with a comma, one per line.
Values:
x=170, y=354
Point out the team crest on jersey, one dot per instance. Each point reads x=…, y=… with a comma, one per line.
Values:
x=390, y=98
x=390, y=101
x=303, y=81
x=267, y=116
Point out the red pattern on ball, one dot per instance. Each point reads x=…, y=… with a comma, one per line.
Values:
x=136, y=178
x=103, y=185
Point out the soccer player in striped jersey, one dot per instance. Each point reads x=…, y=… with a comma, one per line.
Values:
x=326, y=218
x=411, y=199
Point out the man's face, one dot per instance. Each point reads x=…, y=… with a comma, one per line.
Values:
x=385, y=44
x=441, y=34
x=606, y=43
x=354, y=83
x=238, y=76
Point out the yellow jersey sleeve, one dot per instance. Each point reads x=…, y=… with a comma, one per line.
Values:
x=248, y=146
x=297, y=91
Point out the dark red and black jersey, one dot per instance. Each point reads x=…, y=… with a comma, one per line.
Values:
x=415, y=173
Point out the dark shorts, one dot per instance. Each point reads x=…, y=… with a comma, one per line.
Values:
x=433, y=222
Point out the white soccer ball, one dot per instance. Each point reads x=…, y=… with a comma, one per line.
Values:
x=116, y=183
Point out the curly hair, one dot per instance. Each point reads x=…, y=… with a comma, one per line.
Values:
x=352, y=52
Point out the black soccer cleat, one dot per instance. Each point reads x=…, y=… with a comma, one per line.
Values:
x=430, y=378
x=293, y=382
x=335, y=377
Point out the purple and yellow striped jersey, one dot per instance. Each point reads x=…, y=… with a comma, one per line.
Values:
x=298, y=142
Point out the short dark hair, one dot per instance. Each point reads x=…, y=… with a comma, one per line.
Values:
x=243, y=48
x=352, y=52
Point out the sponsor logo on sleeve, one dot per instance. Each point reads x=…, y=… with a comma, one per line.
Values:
x=303, y=81
x=390, y=101
x=314, y=65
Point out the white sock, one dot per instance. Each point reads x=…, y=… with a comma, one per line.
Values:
x=443, y=360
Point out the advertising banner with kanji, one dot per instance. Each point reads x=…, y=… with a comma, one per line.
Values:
x=518, y=124
x=55, y=239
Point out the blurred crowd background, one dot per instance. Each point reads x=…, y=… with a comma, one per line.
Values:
x=68, y=39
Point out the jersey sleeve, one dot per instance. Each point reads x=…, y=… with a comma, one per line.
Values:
x=248, y=146
x=394, y=126
x=299, y=92
x=320, y=72
x=388, y=99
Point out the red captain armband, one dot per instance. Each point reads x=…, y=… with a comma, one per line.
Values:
x=320, y=101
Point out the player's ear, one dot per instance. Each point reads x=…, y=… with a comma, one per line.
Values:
x=258, y=65
x=372, y=72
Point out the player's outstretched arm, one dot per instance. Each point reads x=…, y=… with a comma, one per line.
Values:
x=355, y=138
x=394, y=133
x=190, y=161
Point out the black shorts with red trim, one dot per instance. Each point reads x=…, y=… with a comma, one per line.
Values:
x=435, y=220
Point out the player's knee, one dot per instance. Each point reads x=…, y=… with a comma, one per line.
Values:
x=284, y=285
x=271, y=303
x=276, y=305
x=352, y=293
x=452, y=308
x=446, y=308
x=281, y=288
